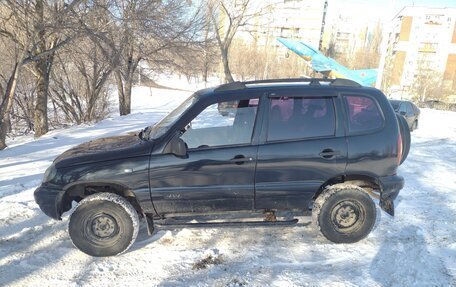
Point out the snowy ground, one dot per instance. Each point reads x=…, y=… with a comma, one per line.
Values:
x=416, y=248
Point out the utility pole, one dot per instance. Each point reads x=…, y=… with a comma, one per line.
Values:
x=323, y=22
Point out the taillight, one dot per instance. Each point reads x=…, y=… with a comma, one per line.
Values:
x=399, y=149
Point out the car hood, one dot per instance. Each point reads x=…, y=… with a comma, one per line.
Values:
x=104, y=149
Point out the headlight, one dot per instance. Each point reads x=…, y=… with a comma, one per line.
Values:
x=50, y=173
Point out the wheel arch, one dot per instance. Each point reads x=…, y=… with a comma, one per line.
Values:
x=79, y=190
x=367, y=183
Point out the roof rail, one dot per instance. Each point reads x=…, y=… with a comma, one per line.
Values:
x=230, y=87
x=312, y=81
x=345, y=83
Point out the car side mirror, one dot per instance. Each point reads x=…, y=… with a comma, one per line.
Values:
x=177, y=147
x=403, y=113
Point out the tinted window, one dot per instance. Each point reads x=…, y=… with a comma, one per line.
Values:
x=297, y=118
x=403, y=108
x=409, y=109
x=363, y=114
x=225, y=123
x=415, y=108
x=395, y=105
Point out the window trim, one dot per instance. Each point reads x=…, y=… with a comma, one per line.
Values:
x=297, y=96
x=347, y=113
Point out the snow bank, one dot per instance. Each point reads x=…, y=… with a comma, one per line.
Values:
x=416, y=248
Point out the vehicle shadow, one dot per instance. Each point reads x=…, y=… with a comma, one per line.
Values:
x=262, y=256
x=28, y=252
x=143, y=237
x=404, y=260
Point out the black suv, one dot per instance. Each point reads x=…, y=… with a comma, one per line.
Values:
x=286, y=147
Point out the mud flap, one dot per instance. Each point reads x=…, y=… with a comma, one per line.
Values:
x=387, y=204
x=149, y=223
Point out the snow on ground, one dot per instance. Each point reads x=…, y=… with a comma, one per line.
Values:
x=415, y=248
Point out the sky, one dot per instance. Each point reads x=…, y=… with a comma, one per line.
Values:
x=382, y=8
x=398, y=4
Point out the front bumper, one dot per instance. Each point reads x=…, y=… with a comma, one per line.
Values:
x=48, y=199
x=391, y=185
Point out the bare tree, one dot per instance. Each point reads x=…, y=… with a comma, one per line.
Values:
x=38, y=28
x=78, y=87
x=9, y=77
x=227, y=18
x=23, y=109
x=427, y=82
x=210, y=54
x=143, y=30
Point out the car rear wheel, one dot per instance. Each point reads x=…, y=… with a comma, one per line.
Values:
x=103, y=224
x=344, y=214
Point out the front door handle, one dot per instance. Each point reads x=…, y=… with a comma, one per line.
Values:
x=328, y=153
x=240, y=159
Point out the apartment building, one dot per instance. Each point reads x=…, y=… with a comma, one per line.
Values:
x=422, y=40
x=297, y=19
x=350, y=33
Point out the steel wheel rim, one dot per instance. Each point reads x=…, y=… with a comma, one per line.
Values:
x=347, y=216
x=102, y=227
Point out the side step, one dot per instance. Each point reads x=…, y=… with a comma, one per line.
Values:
x=228, y=223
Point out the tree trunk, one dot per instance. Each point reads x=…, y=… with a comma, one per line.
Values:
x=42, y=69
x=7, y=103
x=127, y=93
x=42, y=89
x=206, y=53
x=226, y=67
x=124, y=92
x=3, y=132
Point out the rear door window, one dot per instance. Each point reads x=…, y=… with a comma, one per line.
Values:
x=300, y=118
x=363, y=114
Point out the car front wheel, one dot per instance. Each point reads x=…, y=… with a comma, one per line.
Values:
x=344, y=214
x=103, y=224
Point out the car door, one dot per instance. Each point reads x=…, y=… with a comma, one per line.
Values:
x=406, y=111
x=302, y=146
x=218, y=172
x=410, y=114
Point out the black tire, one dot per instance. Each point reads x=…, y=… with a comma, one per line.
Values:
x=406, y=137
x=344, y=214
x=103, y=224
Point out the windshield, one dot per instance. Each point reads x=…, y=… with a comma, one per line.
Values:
x=163, y=125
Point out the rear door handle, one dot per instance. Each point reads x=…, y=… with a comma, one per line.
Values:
x=328, y=153
x=240, y=159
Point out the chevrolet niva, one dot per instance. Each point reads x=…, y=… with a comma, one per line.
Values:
x=297, y=146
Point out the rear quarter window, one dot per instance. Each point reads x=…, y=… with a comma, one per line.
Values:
x=363, y=114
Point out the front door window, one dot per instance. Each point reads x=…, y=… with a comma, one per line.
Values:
x=221, y=124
